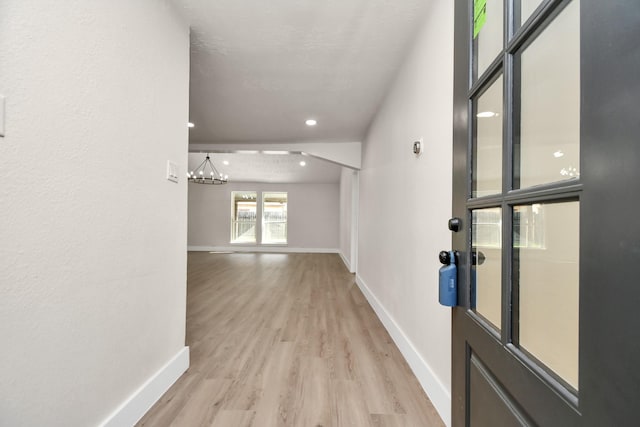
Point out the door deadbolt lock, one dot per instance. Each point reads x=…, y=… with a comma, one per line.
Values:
x=455, y=224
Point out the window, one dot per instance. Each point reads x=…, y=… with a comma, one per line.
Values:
x=274, y=218
x=529, y=226
x=270, y=220
x=243, y=216
x=487, y=228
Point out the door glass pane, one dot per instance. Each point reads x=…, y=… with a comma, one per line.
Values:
x=487, y=32
x=274, y=218
x=526, y=9
x=243, y=216
x=546, y=265
x=486, y=271
x=549, y=147
x=487, y=147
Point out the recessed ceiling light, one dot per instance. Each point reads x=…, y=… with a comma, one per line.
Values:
x=190, y=125
x=311, y=122
x=225, y=162
x=303, y=163
x=558, y=154
x=486, y=114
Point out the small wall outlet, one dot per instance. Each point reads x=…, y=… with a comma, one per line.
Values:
x=2, y=102
x=172, y=171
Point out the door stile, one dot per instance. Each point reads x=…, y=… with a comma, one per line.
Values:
x=461, y=182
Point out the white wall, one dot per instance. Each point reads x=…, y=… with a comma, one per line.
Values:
x=312, y=211
x=405, y=203
x=93, y=238
x=348, y=217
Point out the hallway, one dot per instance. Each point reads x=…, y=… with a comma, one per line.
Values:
x=286, y=340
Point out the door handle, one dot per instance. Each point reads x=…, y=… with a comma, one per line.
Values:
x=444, y=257
x=477, y=257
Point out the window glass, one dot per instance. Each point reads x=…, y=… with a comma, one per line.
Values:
x=487, y=32
x=487, y=143
x=486, y=271
x=243, y=216
x=546, y=238
x=527, y=7
x=274, y=218
x=549, y=145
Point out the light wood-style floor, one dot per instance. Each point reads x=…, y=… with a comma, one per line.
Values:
x=287, y=340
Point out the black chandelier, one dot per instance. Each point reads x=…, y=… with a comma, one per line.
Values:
x=206, y=173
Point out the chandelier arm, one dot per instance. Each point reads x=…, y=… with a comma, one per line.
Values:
x=199, y=166
x=215, y=171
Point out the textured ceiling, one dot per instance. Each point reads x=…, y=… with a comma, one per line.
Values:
x=273, y=168
x=260, y=68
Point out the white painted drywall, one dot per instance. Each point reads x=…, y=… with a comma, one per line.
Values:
x=347, y=182
x=93, y=237
x=405, y=201
x=312, y=211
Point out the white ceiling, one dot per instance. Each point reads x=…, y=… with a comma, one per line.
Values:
x=260, y=68
x=272, y=168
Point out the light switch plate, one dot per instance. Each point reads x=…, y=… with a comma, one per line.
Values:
x=2, y=102
x=172, y=171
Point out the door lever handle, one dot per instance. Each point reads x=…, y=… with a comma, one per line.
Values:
x=477, y=258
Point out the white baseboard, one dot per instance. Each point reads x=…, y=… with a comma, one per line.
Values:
x=149, y=393
x=271, y=249
x=346, y=262
x=439, y=394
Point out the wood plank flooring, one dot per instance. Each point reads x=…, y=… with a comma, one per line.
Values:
x=287, y=340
